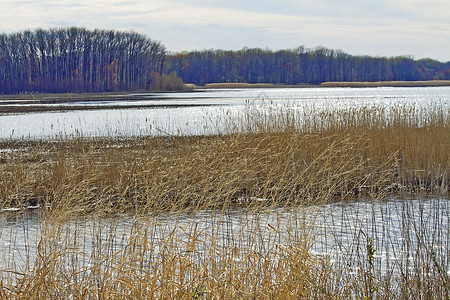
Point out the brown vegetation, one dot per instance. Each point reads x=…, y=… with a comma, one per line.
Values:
x=387, y=83
x=334, y=154
x=355, y=84
x=241, y=85
x=270, y=162
x=170, y=82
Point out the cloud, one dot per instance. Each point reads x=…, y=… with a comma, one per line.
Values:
x=383, y=27
x=431, y=10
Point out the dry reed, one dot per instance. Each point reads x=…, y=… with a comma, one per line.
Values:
x=272, y=162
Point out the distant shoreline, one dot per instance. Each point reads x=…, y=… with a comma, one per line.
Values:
x=357, y=84
x=430, y=83
x=36, y=102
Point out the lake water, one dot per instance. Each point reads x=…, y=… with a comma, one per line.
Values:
x=197, y=112
x=399, y=229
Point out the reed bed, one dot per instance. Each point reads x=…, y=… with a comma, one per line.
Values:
x=268, y=164
x=283, y=159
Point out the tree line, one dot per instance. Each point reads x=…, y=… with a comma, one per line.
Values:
x=297, y=66
x=79, y=60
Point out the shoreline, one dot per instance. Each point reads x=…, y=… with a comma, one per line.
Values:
x=135, y=95
x=356, y=84
x=430, y=83
x=63, y=108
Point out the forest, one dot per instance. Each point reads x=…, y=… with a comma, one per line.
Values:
x=300, y=65
x=78, y=60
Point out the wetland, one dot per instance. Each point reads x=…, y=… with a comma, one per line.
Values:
x=228, y=193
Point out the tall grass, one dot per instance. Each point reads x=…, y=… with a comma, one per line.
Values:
x=332, y=157
x=269, y=164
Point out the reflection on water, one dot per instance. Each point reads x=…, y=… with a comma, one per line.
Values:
x=398, y=229
x=210, y=106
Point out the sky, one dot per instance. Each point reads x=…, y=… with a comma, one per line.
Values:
x=417, y=28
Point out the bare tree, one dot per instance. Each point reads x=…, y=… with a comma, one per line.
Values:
x=75, y=60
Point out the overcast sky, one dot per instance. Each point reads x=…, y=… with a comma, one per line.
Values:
x=420, y=28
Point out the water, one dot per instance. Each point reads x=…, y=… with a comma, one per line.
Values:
x=198, y=112
x=399, y=230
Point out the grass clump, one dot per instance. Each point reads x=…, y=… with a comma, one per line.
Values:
x=351, y=153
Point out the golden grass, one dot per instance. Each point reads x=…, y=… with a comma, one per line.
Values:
x=332, y=157
x=244, y=85
x=271, y=162
x=225, y=85
x=359, y=84
x=386, y=83
x=175, y=273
